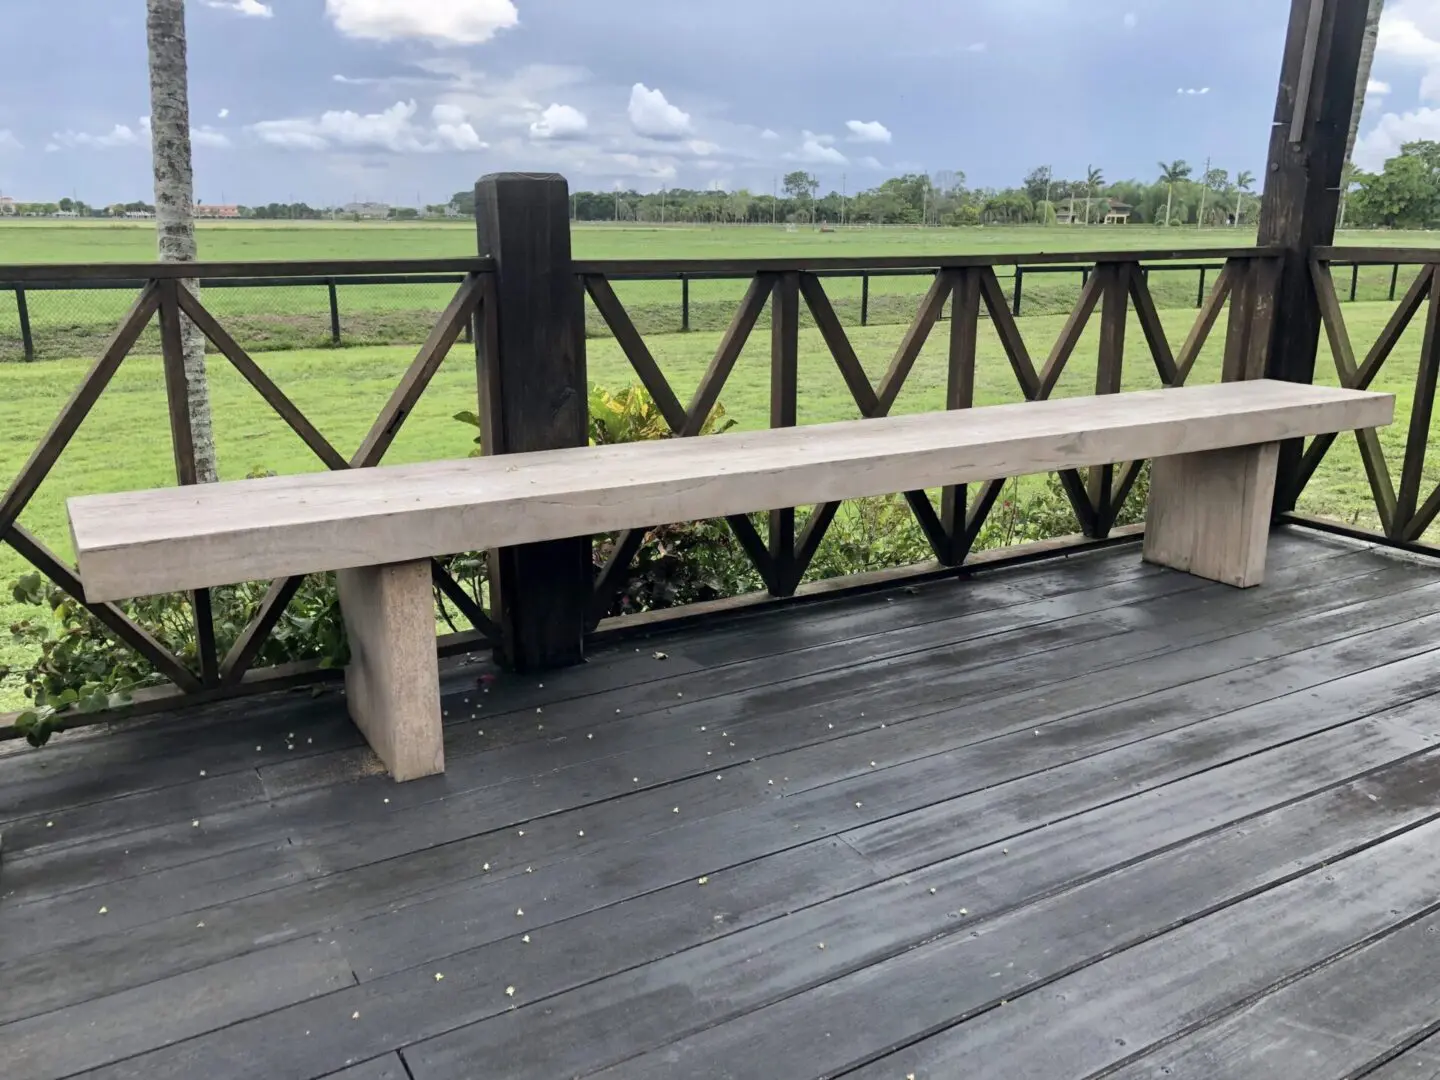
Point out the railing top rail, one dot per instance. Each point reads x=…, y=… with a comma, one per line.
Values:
x=1377, y=256
x=27, y=272
x=628, y=267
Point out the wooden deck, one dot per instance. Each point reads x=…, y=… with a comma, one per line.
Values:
x=1075, y=819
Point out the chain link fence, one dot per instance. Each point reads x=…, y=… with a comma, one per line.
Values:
x=52, y=322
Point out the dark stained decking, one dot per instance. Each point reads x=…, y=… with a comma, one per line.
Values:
x=1076, y=819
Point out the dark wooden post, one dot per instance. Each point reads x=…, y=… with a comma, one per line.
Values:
x=1354, y=280
x=1394, y=279
x=1200, y=292
x=960, y=394
x=1302, y=185
x=533, y=397
x=864, y=299
x=182, y=441
x=784, y=403
x=684, y=303
x=1019, y=287
x=27, y=337
x=334, y=311
x=1109, y=369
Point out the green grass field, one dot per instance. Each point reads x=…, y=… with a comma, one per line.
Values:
x=124, y=443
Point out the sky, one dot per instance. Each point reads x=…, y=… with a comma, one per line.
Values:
x=407, y=101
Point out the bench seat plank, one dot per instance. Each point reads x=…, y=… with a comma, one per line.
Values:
x=143, y=543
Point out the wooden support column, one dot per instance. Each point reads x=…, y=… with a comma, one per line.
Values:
x=533, y=397
x=960, y=394
x=392, y=684
x=1110, y=367
x=1302, y=185
x=784, y=403
x=1209, y=513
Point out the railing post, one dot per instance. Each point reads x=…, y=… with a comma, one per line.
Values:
x=182, y=441
x=1019, y=287
x=334, y=311
x=533, y=397
x=1354, y=280
x=784, y=407
x=1298, y=209
x=1394, y=279
x=1109, y=369
x=27, y=338
x=864, y=299
x=684, y=303
x=1200, y=292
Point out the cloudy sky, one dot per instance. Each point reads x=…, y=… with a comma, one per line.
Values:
x=329, y=100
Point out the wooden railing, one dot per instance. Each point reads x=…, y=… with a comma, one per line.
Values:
x=545, y=600
x=1403, y=517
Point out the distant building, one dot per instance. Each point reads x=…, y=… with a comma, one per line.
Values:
x=66, y=213
x=1118, y=213
x=366, y=211
x=205, y=210
x=140, y=214
x=8, y=206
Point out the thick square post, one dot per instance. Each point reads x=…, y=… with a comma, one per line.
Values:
x=1301, y=197
x=534, y=397
x=1209, y=513
x=392, y=685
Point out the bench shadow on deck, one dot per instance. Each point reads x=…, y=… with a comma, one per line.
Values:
x=1084, y=817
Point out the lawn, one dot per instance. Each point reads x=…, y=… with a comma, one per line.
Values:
x=124, y=444
x=70, y=323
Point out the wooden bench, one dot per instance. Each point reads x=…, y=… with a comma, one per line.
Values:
x=1214, y=451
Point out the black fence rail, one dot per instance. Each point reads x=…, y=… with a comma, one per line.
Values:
x=61, y=319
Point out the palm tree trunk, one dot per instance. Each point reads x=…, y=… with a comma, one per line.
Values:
x=1239, y=199
x=1169, y=200
x=175, y=199
x=1362, y=76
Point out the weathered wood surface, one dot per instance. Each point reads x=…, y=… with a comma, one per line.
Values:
x=160, y=541
x=1171, y=825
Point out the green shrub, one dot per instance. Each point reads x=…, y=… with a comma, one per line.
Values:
x=79, y=666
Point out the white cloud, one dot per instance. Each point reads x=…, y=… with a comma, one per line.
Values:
x=208, y=136
x=224, y=113
x=653, y=116
x=769, y=135
x=391, y=130
x=253, y=8
x=1376, y=88
x=443, y=22
x=701, y=148
x=560, y=122
x=871, y=163
x=817, y=150
x=1383, y=142
x=1410, y=35
x=8, y=141
x=1192, y=91
x=395, y=130
x=453, y=128
x=976, y=47
x=119, y=135
x=1130, y=20
x=868, y=131
x=655, y=168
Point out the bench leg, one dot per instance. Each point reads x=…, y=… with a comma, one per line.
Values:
x=393, y=682
x=1209, y=513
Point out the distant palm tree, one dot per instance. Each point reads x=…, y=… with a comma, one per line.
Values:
x=1093, y=179
x=1362, y=84
x=1171, y=175
x=1243, y=184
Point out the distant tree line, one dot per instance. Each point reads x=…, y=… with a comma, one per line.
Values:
x=1178, y=196
x=1404, y=194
